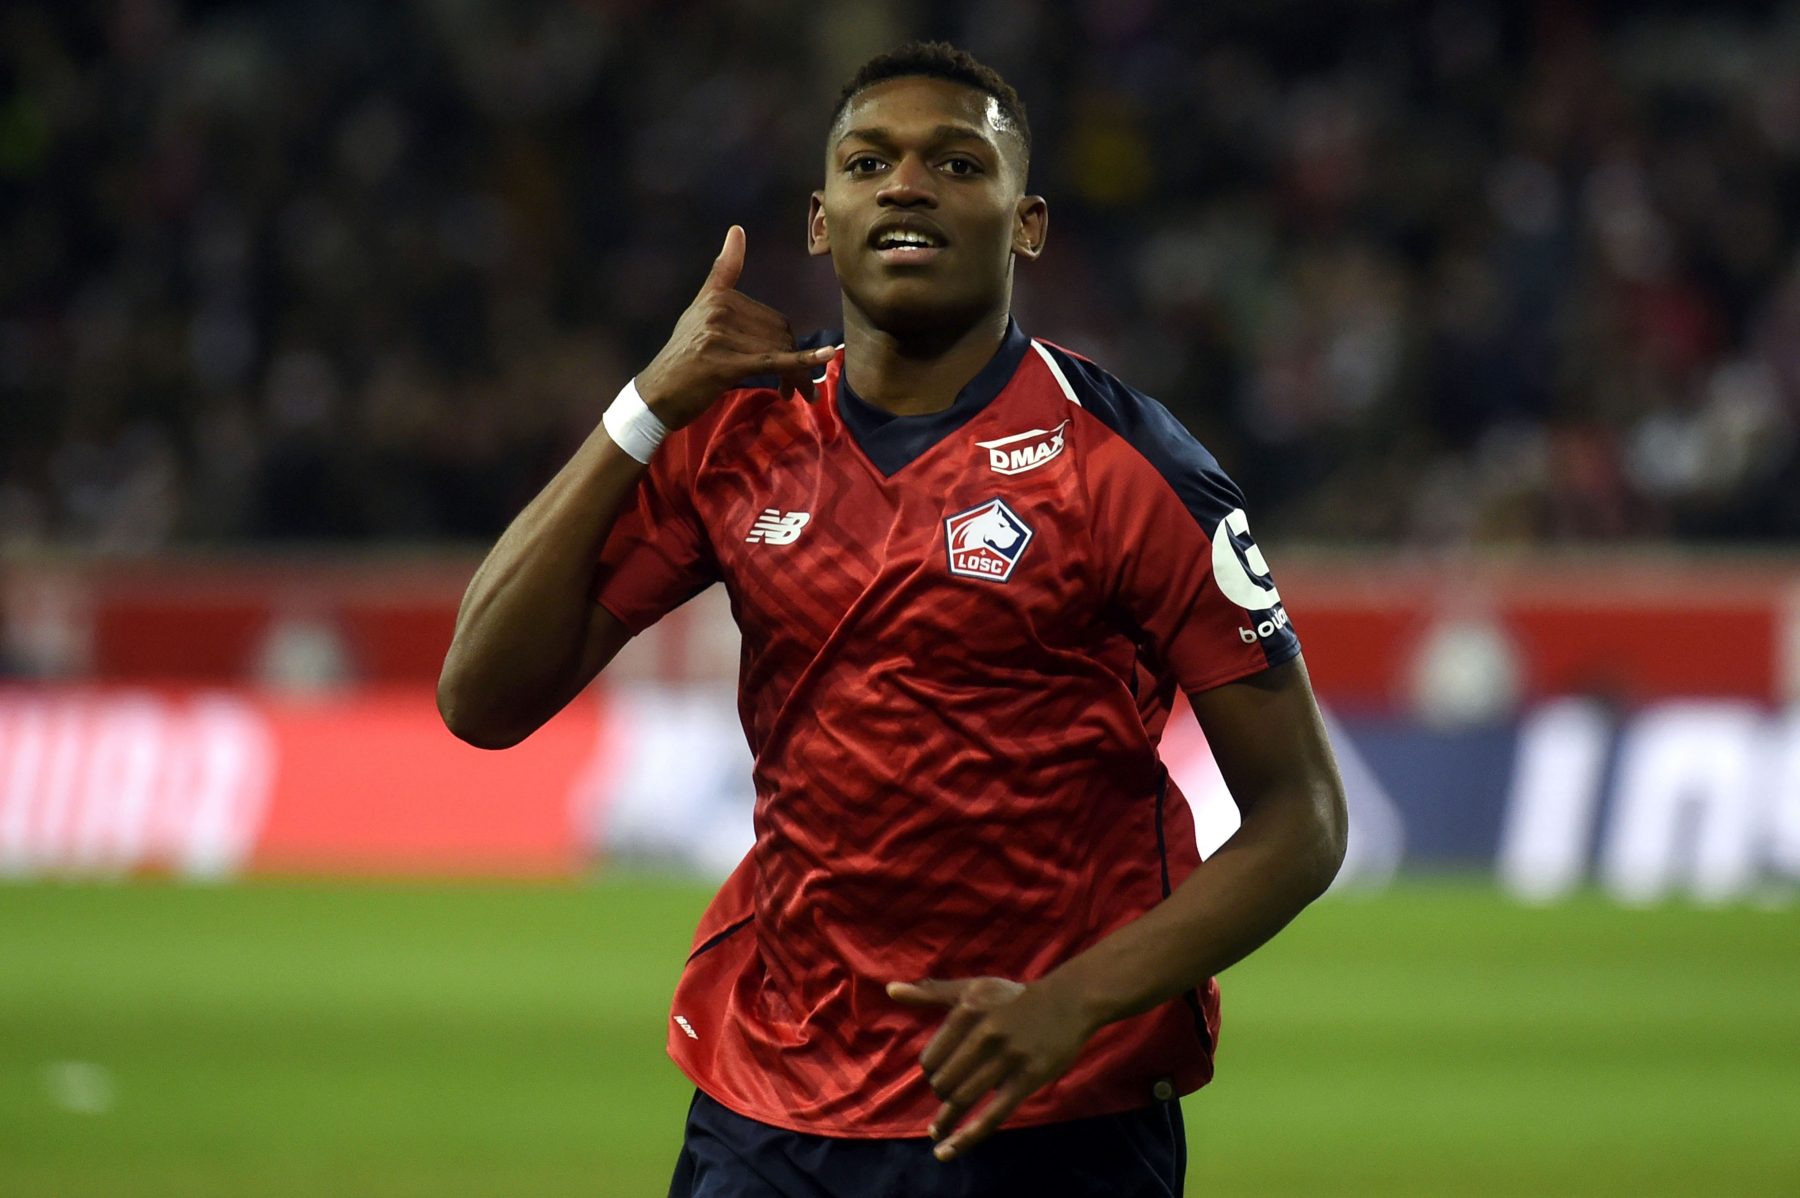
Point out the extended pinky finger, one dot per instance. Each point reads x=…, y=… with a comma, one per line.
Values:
x=787, y=361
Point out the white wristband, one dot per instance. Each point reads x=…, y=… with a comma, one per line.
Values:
x=632, y=425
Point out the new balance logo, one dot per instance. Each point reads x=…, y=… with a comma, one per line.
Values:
x=1025, y=451
x=776, y=528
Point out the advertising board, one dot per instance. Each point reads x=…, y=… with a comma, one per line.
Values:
x=1698, y=798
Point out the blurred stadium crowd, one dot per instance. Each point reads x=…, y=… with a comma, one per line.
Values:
x=1426, y=273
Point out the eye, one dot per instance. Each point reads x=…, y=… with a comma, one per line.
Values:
x=962, y=166
x=864, y=164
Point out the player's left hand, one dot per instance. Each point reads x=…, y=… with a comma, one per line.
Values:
x=1004, y=1036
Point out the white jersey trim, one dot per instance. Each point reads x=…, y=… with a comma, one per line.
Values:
x=1061, y=380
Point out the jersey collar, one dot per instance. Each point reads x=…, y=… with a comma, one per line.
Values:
x=891, y=442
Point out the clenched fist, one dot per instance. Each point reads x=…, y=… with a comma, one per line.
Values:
x=723, y=338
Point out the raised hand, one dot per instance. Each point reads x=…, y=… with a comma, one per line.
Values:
x=1000, y=1036
x=723, y=338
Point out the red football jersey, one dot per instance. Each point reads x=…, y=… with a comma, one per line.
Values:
x=961, y=636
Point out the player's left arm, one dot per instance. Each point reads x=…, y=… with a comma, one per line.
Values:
x=1173, y=556
x=1013, y=1038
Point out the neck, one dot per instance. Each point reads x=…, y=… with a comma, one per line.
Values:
x=913, y=373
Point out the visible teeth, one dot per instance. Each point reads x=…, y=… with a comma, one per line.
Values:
x=900, y=237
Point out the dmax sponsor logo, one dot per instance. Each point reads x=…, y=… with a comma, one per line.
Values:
x=1278, y=619
x=986, y=541
x=1025, y=451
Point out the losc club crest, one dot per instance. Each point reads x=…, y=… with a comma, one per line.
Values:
x=986, y=541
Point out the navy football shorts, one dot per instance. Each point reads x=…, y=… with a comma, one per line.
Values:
x=1139, y=1154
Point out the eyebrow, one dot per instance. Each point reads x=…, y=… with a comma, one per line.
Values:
x=882, y=136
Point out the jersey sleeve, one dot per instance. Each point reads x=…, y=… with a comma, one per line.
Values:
x=1171, y=540
x=658, y=555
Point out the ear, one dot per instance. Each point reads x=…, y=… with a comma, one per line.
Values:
x=1031, y=225
x=818, y=241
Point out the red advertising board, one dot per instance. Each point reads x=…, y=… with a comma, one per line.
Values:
x=208, y=719
x=207, y=782
x=1629, y=629
x=1689, y=796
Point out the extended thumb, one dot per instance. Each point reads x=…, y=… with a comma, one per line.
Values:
x=730, y=262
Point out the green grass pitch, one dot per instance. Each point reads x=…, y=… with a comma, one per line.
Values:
x=386, y=1040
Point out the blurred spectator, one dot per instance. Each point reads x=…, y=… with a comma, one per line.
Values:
x=1447, y=273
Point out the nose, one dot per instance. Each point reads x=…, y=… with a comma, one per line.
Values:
x=910, y=185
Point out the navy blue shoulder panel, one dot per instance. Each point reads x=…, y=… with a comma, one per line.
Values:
x=812, y=340
x=1209, y=495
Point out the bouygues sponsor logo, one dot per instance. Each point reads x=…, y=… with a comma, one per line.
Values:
x=1243, y=576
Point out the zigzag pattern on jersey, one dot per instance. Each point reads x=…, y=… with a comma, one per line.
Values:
x=811, y=586
x=914, y=733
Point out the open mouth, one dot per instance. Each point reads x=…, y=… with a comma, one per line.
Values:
x=906, y=245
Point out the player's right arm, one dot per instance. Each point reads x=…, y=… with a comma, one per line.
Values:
x=529, y=634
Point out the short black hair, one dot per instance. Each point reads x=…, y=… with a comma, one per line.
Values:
x=938, y=60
